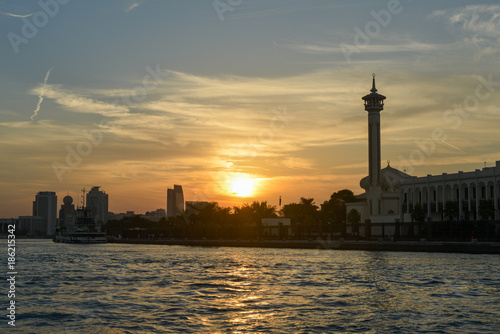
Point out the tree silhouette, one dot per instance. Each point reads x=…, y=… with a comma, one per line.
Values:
x=450, y=210
x=354, y=217
x=418, y=213
x=334, y=210
x=249, y=218
x=487, y=209
x=303, y=216
x=209, y=220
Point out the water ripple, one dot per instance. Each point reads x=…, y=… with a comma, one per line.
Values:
x=116, y=288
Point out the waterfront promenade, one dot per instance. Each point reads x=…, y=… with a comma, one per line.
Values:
x=398, y=246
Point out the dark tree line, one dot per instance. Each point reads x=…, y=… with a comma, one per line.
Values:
x=452, y=225
x=211, y=221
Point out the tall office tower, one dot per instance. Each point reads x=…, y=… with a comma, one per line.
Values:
x=170, y=203
x=97, y=202
x=179, y=199
x=175, y=201
x=45, y=205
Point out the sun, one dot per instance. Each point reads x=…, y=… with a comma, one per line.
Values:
x=242, y=186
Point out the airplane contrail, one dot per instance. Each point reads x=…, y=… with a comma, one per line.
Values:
x=452, y=146
x=40, y=97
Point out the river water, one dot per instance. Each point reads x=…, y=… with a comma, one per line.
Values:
x=119, y=288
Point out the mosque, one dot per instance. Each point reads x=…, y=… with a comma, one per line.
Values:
x=390, y=194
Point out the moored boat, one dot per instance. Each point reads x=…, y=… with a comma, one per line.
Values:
x=81, y=228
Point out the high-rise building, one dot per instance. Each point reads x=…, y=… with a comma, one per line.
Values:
x=45, y=205
x=175, y=201
x=170, y=203
x=32, y=226
x=67, y=211
x=97, y=202
x=179, y=199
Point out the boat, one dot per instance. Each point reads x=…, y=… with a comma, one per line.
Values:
x=80, y=228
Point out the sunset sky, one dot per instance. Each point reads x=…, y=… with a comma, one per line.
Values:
x=136, y=96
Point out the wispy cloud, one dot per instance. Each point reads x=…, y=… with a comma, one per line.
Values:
x=16, y=15
x=481, y=20
x=234, y=116
x=198, y=128
x=134, y=5
x=406, y=46
x=40, y=96
x=476, y=25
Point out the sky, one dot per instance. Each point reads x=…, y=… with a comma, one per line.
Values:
x=136, y=96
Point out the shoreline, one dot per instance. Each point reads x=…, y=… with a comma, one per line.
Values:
x=384, y=246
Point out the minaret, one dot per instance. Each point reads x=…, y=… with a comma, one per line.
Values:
x=374, y=103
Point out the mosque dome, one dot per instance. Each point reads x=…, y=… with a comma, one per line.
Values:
x=68, y=200
x=390, y=179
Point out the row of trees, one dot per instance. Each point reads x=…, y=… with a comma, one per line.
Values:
x=454, y=227
x=209, y=220
x=451, y=211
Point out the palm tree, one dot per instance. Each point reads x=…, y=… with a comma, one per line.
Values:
x=487, y=209
x=249, y=217
x=310, y=211
x=334, y=210
x=353, y=217
x=450, y=210
x=418, y=213
x=303, y=215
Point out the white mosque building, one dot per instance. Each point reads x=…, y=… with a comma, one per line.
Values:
x=390, y=195
x=470, y=189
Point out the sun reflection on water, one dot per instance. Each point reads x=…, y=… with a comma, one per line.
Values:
x=157, y=289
